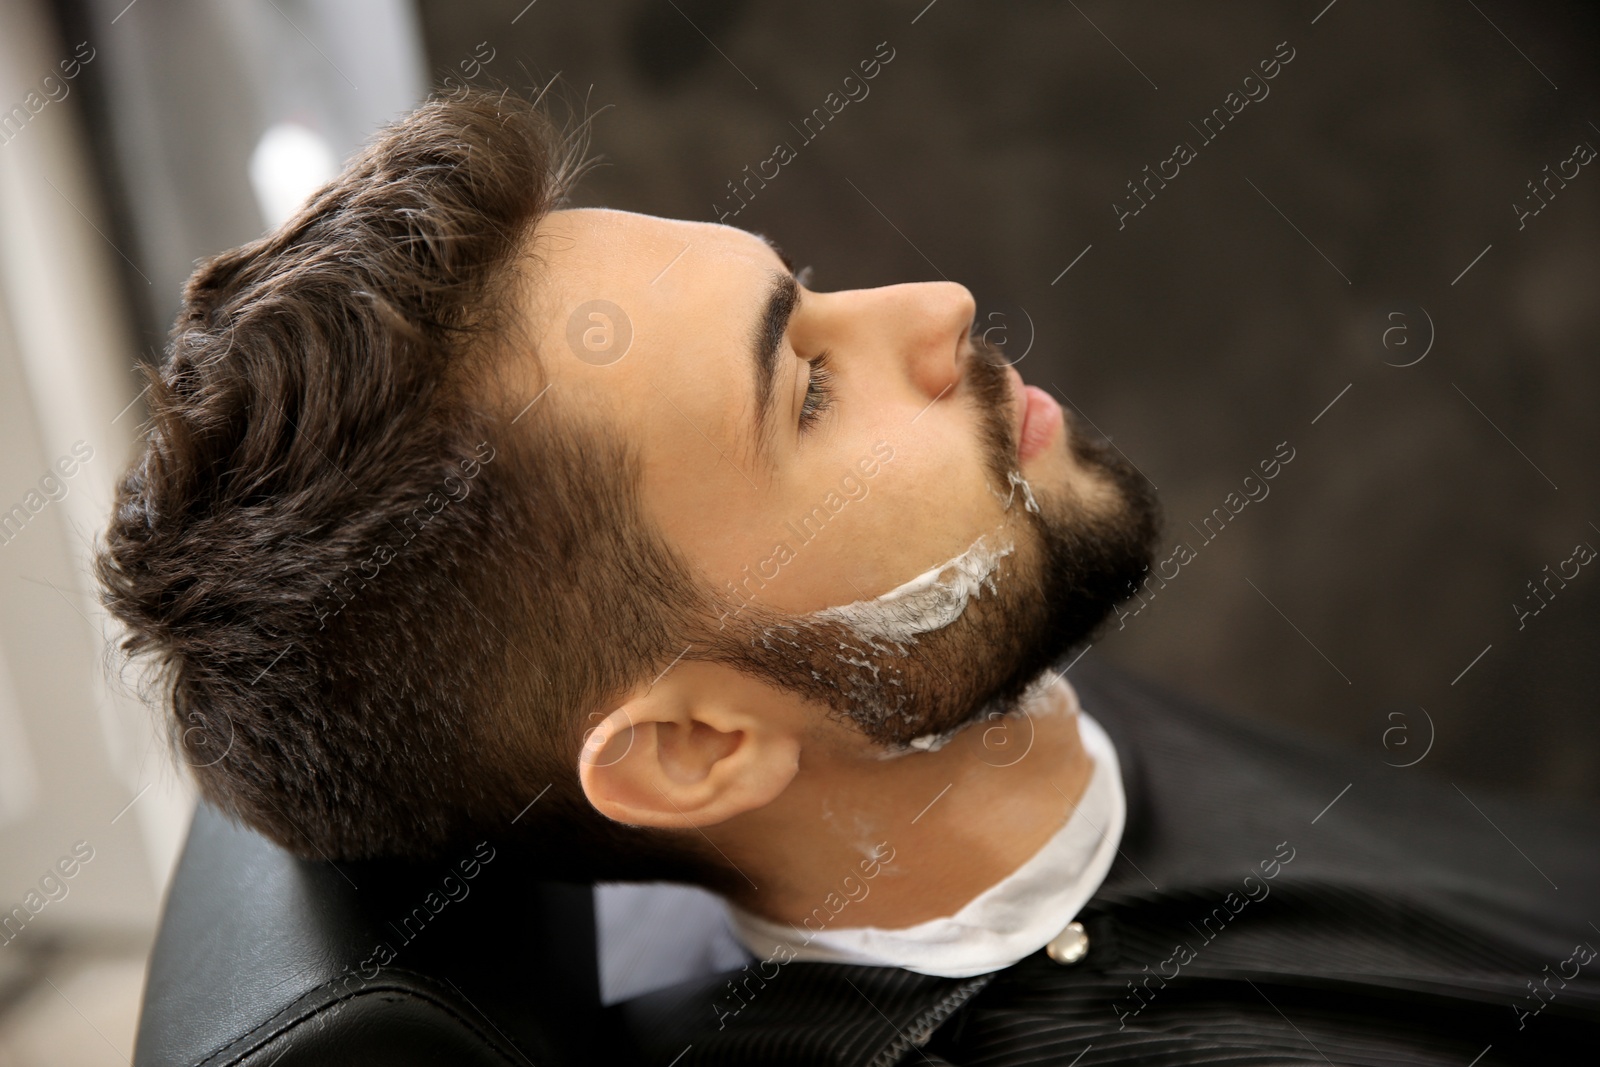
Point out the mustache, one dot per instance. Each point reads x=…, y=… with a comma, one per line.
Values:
x=989, y=390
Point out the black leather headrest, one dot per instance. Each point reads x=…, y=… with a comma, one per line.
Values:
x=263, y=958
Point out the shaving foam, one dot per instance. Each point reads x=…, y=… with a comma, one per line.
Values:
x=1017, y=481
x=931, y=601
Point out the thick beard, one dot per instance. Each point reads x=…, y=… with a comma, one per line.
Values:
x=1069, y=568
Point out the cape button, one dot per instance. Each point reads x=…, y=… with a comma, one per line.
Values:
x=1069, y=946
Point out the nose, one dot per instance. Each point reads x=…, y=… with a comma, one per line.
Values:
x=928, y=324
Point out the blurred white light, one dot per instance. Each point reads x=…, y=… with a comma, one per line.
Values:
x=289, y=164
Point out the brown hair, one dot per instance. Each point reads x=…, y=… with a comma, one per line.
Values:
x=383, y=593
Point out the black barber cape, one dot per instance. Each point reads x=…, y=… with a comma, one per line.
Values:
x=1271, y=903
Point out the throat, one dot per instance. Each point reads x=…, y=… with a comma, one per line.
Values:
x=898, y=842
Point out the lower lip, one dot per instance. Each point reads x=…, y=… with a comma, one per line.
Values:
x=1041, y=421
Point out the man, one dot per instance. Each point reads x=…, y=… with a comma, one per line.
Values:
x=462, y=511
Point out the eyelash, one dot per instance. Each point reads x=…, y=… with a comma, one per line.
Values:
x=819, y=393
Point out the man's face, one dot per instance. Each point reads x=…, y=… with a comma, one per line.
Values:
x=808, y=463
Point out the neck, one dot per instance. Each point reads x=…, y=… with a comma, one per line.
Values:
x=904, y=840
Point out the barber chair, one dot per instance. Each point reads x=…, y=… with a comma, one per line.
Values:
x=264, y=959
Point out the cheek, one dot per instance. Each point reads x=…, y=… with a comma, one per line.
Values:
x=927, y=504
x=944, y=493
x=701, y=502
x=804, y=542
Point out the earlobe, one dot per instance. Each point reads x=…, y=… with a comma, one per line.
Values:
x=690, y=752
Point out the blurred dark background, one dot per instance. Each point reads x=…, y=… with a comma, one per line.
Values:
x=1359, y=267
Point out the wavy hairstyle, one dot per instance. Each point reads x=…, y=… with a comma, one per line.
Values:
x=381, y=592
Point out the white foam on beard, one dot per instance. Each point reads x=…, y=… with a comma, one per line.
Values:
x=925, y=743
x=1017, y=481
x=931, y=601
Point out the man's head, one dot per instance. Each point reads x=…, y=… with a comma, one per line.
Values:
x=454, y=499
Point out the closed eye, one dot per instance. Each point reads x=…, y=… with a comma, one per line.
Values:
x=819, y=393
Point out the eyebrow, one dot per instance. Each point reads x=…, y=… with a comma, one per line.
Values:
x=783, y=296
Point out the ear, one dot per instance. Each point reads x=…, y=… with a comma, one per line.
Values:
x=700, y=746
